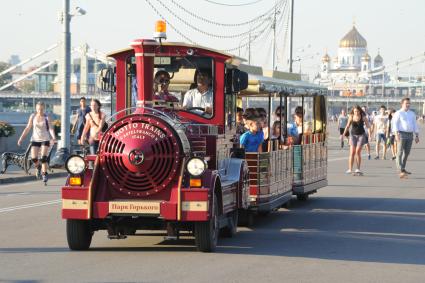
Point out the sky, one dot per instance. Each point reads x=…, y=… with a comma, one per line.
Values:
x=396, y=28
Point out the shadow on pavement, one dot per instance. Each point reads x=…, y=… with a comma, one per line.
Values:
x=354, y=229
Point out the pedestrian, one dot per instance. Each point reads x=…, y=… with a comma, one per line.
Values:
x=380, y=122
x=391, y=143
x=358, y=122
x=405, y=127
x=95, y=121
x=367, y=129
x=342, y=123
x=81, y=119
x=43, y=135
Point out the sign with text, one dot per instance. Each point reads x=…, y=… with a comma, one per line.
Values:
x=139, y=207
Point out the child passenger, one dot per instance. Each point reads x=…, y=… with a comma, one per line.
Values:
x=252, y=139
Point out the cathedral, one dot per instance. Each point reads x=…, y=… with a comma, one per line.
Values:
x=351, y=72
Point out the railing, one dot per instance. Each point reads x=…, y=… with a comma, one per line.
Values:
x=270, y=172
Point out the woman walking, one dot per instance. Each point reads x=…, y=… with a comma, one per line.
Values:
x=391, y=143
x=43, y=135
x=95, y=121
x=357, y=120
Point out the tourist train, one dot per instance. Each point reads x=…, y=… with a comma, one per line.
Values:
x=164, y=165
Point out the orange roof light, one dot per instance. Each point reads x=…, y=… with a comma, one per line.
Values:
x=160, y=30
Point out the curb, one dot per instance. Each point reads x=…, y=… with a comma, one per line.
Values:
x=30, y=178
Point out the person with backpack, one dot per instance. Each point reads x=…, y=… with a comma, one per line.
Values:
x=43, y=135
x=95, y=124
x=81, y=118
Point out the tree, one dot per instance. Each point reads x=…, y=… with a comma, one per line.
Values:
x=27, y=86
x=7, y=77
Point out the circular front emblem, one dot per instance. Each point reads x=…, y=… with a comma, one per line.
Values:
x=136, y=157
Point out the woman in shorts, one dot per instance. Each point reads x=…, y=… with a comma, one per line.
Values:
x=43, y=135
x=357, y=121
x=95, y=120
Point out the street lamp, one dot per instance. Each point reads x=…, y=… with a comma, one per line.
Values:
x=65, y=74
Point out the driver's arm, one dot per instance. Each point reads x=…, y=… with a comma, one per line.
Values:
x=208, y=109
x=187, y=101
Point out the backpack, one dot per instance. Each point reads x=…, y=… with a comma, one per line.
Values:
x=46, y=119
x=104, y=127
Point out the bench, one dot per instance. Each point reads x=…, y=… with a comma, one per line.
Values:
x=22, y=160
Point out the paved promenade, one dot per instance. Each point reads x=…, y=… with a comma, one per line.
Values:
x=358, y=229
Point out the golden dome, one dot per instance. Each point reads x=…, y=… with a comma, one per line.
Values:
x=353, y=39
x=366, y=57
x=326, y=58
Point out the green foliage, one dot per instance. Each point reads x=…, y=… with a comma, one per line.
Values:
x=6, y=130
x=6, y=78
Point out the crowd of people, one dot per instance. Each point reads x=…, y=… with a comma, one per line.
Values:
x=255, y=135
x=392, y=130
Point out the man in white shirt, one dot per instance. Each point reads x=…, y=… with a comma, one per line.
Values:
x=380, y=125
x=200, y=99
x=405, y=127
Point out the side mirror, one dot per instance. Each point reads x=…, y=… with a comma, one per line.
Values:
x=106, y=80
x=236, y=80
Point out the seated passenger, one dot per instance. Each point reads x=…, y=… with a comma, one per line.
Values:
x=161, y=83
x=201, y=97
x=275, y=139
x=240, y=126
x=252, y=139
x=263, y=124
x=298, y=119
x=291, y=127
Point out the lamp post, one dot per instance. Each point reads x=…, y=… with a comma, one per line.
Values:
x=65, y=74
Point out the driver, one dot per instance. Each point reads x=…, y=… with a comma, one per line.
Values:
x=202, y=95
x=161, y=83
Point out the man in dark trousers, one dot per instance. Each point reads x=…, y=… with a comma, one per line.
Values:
x=81, y=120
x=405, y=129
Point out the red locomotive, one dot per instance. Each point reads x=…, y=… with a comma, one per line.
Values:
x=171, y=163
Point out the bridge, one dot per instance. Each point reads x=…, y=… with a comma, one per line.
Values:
x=335, y=103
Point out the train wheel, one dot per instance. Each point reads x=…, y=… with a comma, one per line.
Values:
x=302, y=197
x=231, y=229
x=206, y=233
x=78, y=234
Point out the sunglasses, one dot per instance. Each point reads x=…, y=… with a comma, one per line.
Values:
x=164, y=81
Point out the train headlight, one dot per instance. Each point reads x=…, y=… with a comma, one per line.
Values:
x=196, y=166
x=75, y=164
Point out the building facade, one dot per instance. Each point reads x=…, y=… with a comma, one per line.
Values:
x=352, y=72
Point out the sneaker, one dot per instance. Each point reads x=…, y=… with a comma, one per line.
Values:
x=368, y=157
x=45, y=178
x=376, y=158
x=393, y=158
x=403, y=175
x=348, y=171
x=407, y=172
x=357, y=171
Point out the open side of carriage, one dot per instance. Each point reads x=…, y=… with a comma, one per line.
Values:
x=292, y=165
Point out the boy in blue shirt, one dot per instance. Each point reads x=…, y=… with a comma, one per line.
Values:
x=252, y=139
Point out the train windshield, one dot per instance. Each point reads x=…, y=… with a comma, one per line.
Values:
x=186, y=82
